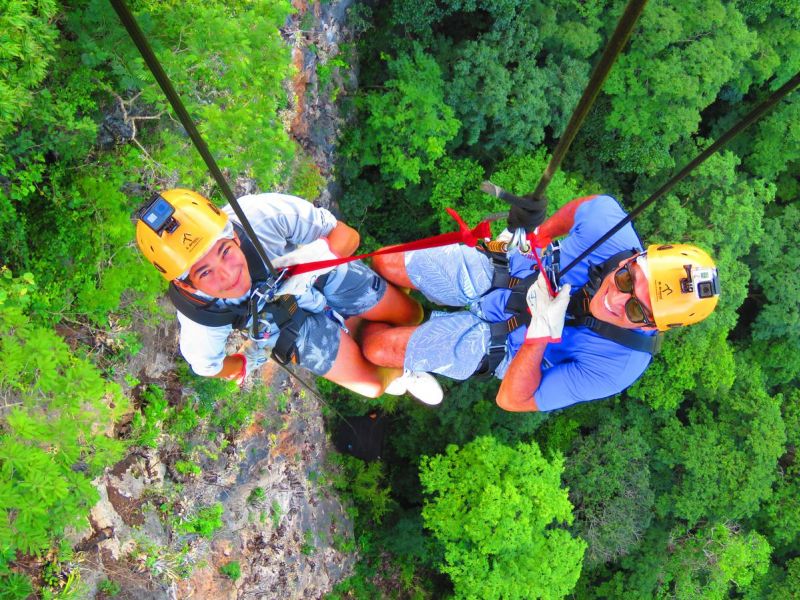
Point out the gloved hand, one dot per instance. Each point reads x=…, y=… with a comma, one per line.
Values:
x=527, y=218
x=547, y=314
x=299, y=284
x=253, y=358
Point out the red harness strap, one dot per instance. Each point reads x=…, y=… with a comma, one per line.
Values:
x=464, y=235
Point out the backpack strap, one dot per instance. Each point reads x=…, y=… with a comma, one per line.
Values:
x=206, y=311
x=579, y=316
x=517, y=305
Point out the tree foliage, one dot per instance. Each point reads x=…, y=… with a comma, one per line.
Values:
x=25, y=55
x=57, y=411
x=609, y=481
x=710, y=563
x=719, y=458
x=497, y=511
x=407, y=124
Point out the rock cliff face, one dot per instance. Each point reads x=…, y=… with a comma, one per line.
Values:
x=317, y=33
x=279, y=523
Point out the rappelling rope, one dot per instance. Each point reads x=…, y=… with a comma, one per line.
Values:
x=743, y=123
x=614, y=47
x=135, y=32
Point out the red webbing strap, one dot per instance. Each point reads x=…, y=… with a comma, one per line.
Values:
x=464, y=235
x=541, y=270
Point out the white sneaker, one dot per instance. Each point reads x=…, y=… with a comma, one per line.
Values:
x=423, y=386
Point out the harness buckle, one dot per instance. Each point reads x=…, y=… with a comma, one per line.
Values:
x=263, y=293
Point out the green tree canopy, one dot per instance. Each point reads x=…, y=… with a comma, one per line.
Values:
x=498, y=512
x=711, y=563
x=407, y=124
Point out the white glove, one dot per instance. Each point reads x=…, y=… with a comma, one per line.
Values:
x=547, y=314
x=299, y=284
x=254, y=356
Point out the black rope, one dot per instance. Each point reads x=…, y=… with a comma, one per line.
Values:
x=745, y=122
x=615, y=45
x=130, y=24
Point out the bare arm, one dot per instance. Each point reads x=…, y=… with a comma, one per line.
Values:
x=562, y=221
x=522, y=379
x=343, y=239
x=232, y=368
x=524, y=374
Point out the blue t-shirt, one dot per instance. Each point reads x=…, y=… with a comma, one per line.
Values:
x=583, y=366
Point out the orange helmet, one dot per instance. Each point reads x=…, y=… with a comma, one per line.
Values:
x=684, y=287
x=176, y=228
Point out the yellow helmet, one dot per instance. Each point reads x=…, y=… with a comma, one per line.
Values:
x=684, y=287
x=176, y=228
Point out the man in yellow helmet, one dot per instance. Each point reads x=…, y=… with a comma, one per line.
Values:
x=614, y=304
x=219, y=283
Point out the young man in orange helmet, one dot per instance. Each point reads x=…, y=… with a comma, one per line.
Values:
x=614, y=304
x=218, y=282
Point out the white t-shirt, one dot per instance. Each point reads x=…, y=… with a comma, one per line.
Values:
x=281, y=223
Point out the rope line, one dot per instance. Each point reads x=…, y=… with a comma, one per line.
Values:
x=614, y=47
x=726, y=137
x=136, y=34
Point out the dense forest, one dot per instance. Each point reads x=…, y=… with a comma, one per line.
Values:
x=686, y=486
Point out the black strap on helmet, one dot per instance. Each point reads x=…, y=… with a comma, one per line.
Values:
x=283, y=311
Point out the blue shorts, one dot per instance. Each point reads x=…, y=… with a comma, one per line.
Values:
x=454, y=275
x=318, y=343
x=353, y=289
x=451, y=344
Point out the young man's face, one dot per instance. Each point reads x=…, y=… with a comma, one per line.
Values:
x=608, y=304
x=222, y=272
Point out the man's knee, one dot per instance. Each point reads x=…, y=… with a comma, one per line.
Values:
x=387, y=347
x=374, y=350
x=393, y=268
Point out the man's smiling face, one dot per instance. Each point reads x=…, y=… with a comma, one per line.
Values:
x=608, y=304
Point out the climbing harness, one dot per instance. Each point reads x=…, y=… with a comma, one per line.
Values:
x=578, y=314
x=261, y=308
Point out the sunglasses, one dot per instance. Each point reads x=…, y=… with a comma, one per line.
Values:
x=634, y=309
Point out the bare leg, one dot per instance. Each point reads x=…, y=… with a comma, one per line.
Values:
x=384, y=345
x=352, y=371
x=395, y=308
x=392, y=267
